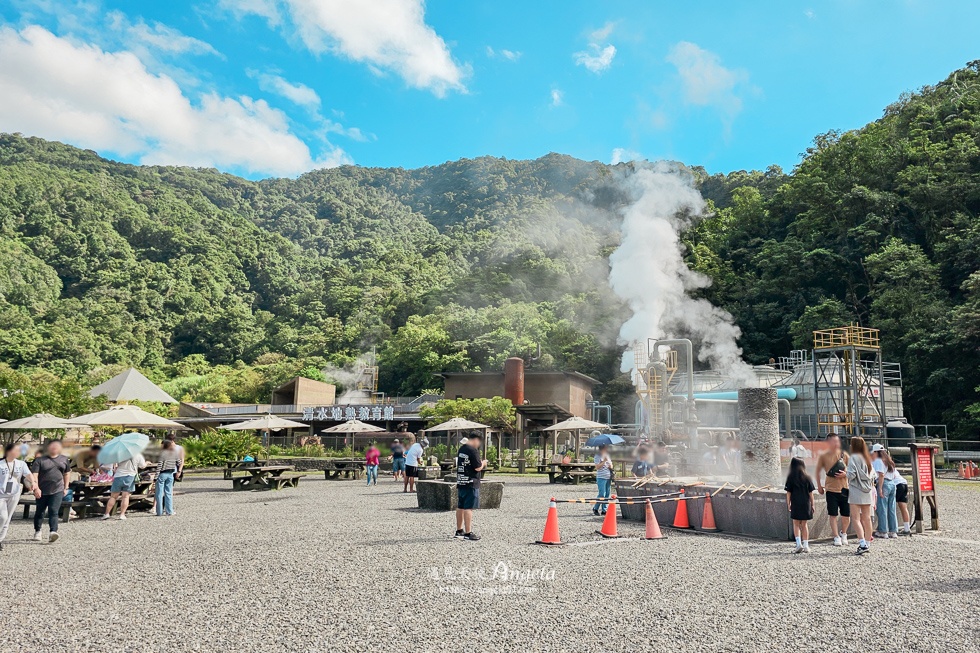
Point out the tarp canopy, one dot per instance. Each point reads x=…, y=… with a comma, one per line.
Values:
x=129, y=386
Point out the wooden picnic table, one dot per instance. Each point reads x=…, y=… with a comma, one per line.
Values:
x=266, y=477
x=570, y=472
x=238, y=465
x=346, y=467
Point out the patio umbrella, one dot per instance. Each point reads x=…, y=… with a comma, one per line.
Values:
x=127, y=417
x=459, y=424
x=38, y=422
x=603, y=440
x=353, y=426
x=575, y=424
x=123, y=448
x=265, y=423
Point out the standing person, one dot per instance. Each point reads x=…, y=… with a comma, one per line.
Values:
x=13, y=471
x=834, y=461
x=397, y=459
x=468, y=468
x=797, y=450
x=902, y=501
x=124, y=482
x=603, y=479
x=371, y=461
x=182, y=456
x=799, y=498
x=413, y=459
x=861, y=485
x=24, y=450
x=50, y=476
x=661, y=459
x=884, y=468
x=170, y=466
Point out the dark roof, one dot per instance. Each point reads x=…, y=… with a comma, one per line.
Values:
x=578, y=375
x=131, y=385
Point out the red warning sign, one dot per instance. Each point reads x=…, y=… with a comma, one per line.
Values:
x=923, y=460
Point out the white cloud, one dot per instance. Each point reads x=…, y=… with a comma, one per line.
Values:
x=108, y=101
x=509, y=55
x=297, y=93
x=557, y=97
x=385, y=34
x=809, y=13
x=603, y=32
x=705, y=82
x=621, y=155
x=596, y=58
x=160, y=36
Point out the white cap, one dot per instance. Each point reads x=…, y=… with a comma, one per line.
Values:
x=877, y=447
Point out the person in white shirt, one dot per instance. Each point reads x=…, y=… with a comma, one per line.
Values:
x=413, y=458
x=797, y=450
x=124, y=482
x=12, y=474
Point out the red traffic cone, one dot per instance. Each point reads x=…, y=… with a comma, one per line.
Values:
x=708, y=520
x=962, y=472
x=680, y=517
x=550, y=536
x=653, y=527
x=609, y=523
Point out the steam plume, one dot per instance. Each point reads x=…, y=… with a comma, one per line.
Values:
x=648, y=272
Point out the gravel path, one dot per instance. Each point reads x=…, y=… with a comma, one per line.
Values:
x=337, y=565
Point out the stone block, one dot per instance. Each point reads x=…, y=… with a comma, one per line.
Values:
x=439, y=495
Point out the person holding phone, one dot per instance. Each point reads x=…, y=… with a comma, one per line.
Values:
x=603, y=479
x=13, y=471
x=799, y=499
x=468, y=468
x=834, y=461
x=861, y=483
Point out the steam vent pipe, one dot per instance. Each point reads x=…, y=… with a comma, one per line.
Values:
x=691, y=412
x=758, y=415
x=514, y=380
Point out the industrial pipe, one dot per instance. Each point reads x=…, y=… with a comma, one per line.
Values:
x=691, y=418
x=781, y=402
x=785, y=402
x=781, y=393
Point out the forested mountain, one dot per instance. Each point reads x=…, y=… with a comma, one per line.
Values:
x=458, y=266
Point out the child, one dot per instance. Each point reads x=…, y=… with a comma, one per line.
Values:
x=799, y=498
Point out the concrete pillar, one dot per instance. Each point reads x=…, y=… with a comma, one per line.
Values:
x=758, y=415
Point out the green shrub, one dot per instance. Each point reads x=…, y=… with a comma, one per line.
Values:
x=213, y=448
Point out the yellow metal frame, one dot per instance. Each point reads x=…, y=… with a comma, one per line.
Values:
x=849, y=336
x=648, y=384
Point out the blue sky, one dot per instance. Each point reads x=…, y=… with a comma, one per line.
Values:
x=278, y=87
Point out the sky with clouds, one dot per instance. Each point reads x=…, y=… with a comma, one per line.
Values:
x=279, y=87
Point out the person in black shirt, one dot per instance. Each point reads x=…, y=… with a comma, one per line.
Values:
x=51, y=475
x=468, y=468
x=799, y=497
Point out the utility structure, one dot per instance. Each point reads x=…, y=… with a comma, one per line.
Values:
x=849, y=382
x=655, y=370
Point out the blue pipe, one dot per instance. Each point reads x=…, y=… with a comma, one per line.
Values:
x=781, y=393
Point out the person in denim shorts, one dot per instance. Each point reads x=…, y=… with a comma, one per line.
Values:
x=397, y=458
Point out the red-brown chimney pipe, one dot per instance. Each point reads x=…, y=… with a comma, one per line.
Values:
x=514, y=380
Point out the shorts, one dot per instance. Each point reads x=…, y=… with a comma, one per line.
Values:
x=123, y=484
x=902, y=493
x=837, y=502
x=467, y=497
x=411, y=471
x=397, y=464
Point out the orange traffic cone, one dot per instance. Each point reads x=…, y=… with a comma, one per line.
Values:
x=609, y=523
x=550, y=536
x=680, y=517
x=653, y=527
x=974, y=471
x=708, y=520
x=962, y=472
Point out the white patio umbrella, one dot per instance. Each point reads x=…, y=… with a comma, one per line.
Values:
x=265, y=423
x=127, y=417
x=38, y=422
x=576, y=424
x=458, y=424
x=353, y=426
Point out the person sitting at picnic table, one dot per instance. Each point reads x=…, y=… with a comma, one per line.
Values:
x=642, y=466
x=123, y=483
x=170, y=465
x=661, y=459
x=84, y=465
x=371, y=461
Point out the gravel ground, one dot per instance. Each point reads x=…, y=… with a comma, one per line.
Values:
x=338, y=565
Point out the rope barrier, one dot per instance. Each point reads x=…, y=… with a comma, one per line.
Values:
x=630, y=503
x=610, y=500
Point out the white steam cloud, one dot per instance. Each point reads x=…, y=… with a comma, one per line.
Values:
x=648, y=272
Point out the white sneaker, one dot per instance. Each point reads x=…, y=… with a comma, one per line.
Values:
x=837, y=541
x=893, y=536
x=37, y=536
x=799, y=548
x=103, y=517
x=843, y=539
x=53, y=538
x=806, y=548
x=122, y=517
x=879, y=534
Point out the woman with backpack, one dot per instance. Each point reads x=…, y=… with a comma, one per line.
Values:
x=861, y=485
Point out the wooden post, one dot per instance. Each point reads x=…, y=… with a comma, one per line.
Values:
x=924, y=483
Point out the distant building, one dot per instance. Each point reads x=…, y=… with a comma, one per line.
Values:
x=568, y=391
x=300, y=391
x=131, y=386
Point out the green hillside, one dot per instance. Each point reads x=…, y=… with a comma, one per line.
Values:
x=220, y=286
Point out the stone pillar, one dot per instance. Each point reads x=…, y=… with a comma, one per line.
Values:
x=758, y=416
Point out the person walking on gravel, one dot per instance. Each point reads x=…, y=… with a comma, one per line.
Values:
x=371, y=460
x=799, y=497
x=13, y=471
x=50, y=476
x=397, y=459
x=124, y=482
x=468, y=468
x=834, y=462
x=413, y=459
x=861, y=483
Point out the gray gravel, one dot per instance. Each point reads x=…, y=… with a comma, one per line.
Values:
x=337, y=565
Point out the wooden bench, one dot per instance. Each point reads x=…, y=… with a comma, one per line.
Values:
x=136, y=502
x=81, y=508
x=578, y=476
x=267, y=483
x=348, y=471
x=286, y=480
